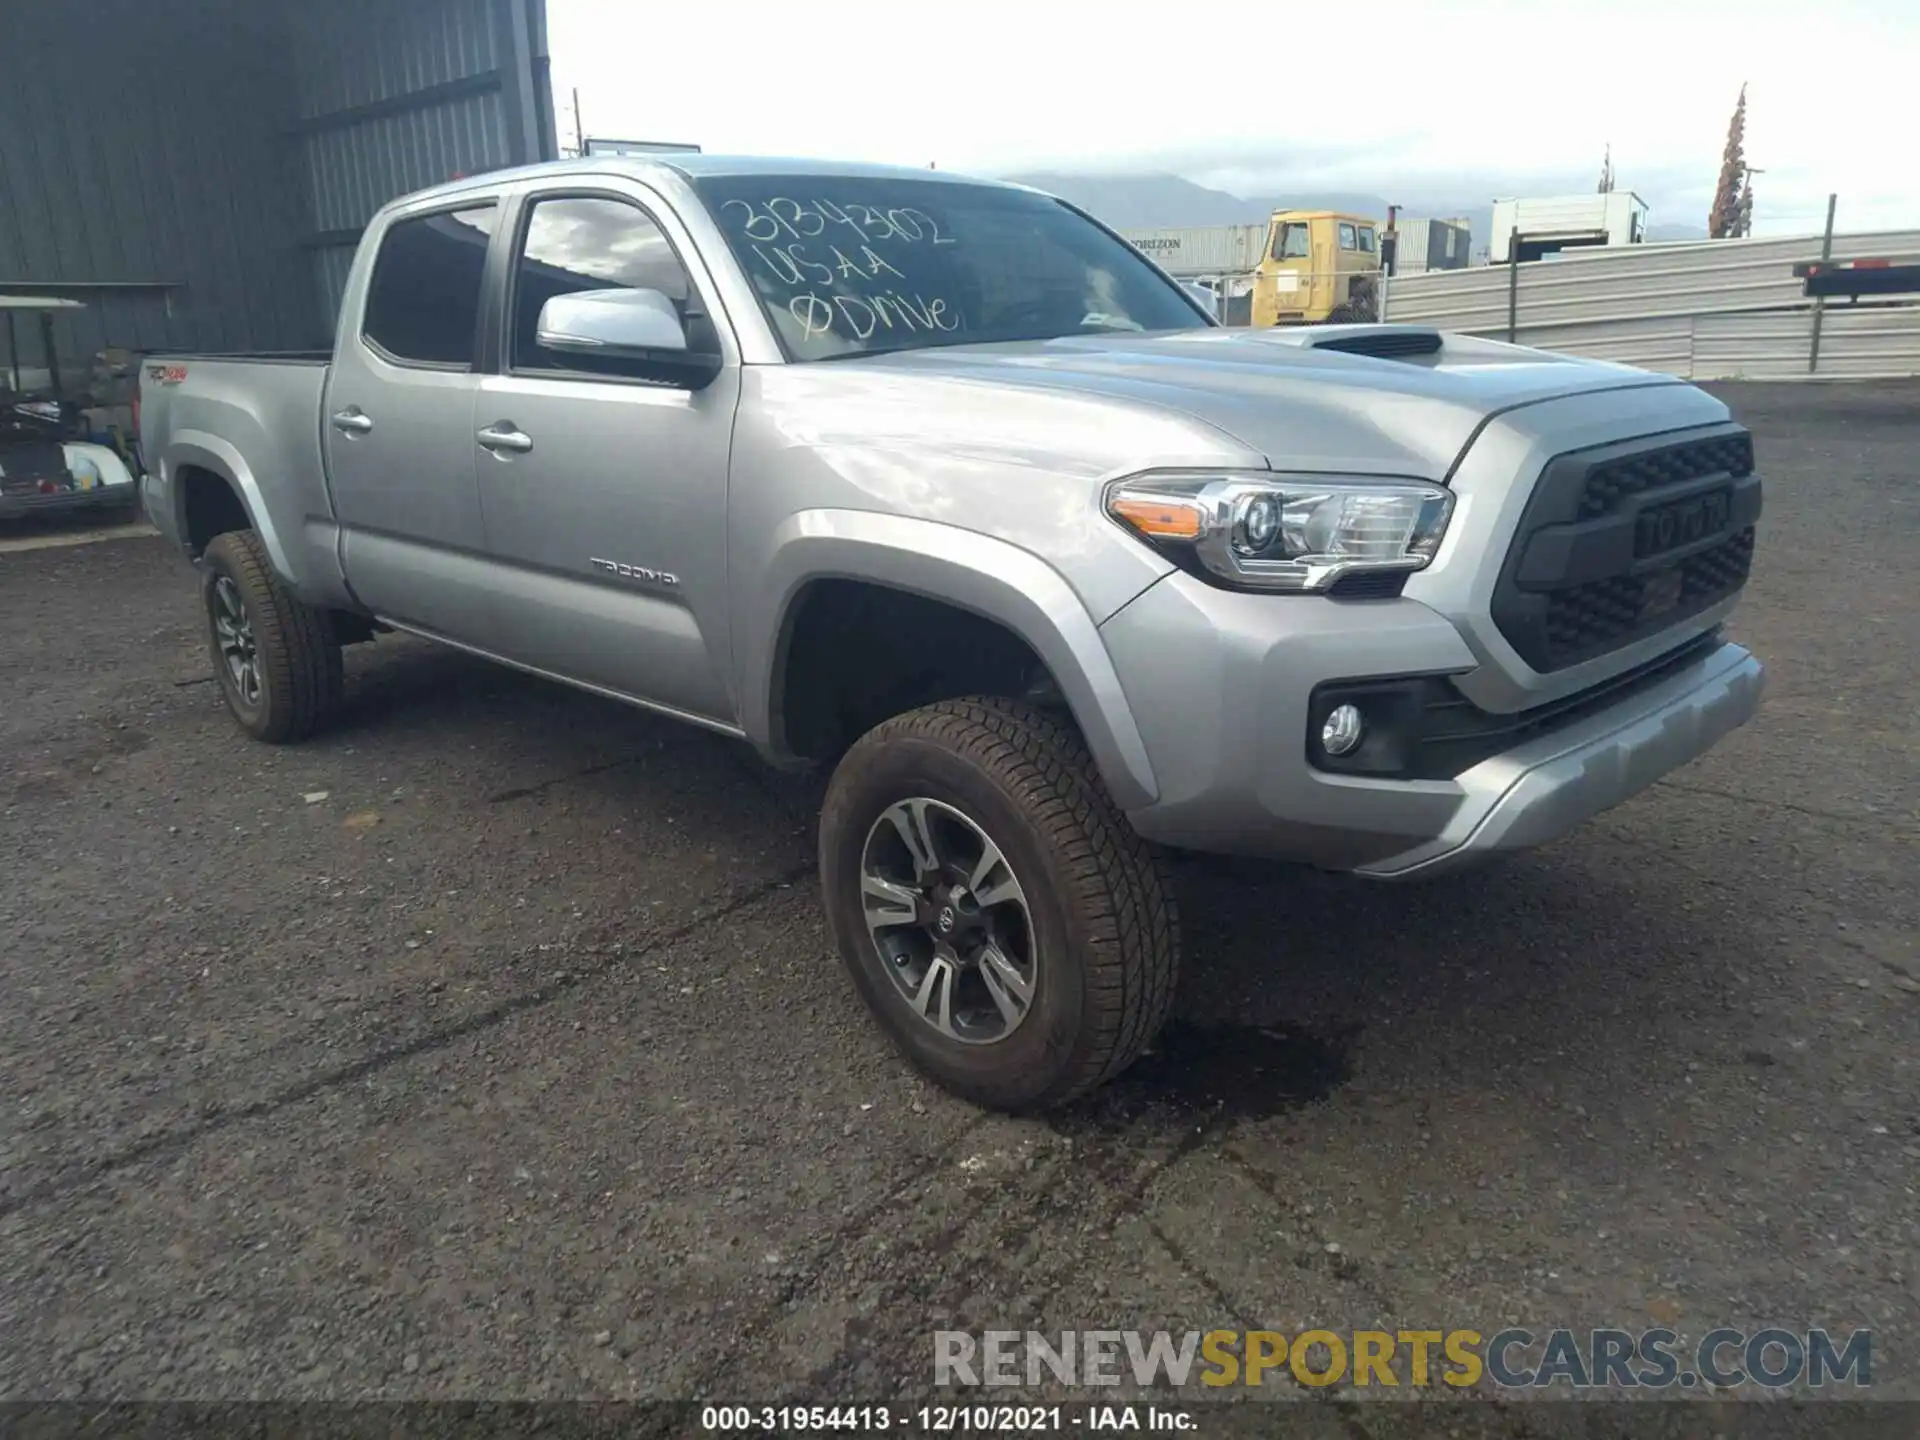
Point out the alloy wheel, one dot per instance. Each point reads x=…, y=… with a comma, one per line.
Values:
x=950, y=919
x=233, y=635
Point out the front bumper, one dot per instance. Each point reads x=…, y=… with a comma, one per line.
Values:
x=1219, y=684
x=1539, y=791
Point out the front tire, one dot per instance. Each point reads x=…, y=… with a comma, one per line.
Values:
x=275, y=657
x=1005, y=925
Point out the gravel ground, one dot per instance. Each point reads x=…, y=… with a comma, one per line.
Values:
x=517, y=1064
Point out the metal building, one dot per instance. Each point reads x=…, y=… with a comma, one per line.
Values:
x=1432, y=245
x=197, y=172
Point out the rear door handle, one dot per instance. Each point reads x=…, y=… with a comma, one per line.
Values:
x=503, y=435
x=352, y=421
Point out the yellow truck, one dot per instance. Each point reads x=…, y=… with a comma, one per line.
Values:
x=1320, y=267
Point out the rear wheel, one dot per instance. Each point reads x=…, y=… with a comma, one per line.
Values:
x=1004, y=924
x=275, y=656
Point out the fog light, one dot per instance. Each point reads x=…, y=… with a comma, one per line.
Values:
x=1343, y=730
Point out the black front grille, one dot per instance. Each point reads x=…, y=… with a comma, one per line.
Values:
x=1593, y=617
x=1622, y=542
x=1616, y=480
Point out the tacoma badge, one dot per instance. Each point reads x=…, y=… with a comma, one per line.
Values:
x=636, y=572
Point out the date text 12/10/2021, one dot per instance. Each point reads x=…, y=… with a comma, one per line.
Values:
x=945, y=1419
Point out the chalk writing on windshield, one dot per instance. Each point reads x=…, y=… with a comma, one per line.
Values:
x=822, y=256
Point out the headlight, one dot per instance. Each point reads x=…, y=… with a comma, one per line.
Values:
x=1284, y=532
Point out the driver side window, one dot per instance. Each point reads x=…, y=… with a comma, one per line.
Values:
x=579, y=243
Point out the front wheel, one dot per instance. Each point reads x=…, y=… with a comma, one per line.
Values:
x=275, y=656
x=997, y=914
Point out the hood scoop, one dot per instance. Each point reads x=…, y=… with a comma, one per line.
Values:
x=1382, y=342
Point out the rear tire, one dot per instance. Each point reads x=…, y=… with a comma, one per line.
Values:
x=275, y=657
x=1093, y=933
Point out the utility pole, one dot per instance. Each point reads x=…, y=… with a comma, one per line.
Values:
x=579, y=131
x=1820, y=301
x=1743, y=207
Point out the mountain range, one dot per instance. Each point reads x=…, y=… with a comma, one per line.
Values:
x=1147, y=202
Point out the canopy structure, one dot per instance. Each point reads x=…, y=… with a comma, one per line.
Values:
x=44, y=306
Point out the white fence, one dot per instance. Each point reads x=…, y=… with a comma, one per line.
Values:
x=1705, y=310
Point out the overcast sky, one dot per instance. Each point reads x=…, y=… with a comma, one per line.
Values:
x=1451, y=102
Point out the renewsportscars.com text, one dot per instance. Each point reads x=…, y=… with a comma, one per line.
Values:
x=1511, y=1359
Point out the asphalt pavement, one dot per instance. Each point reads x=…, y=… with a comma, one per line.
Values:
x=492, y=1046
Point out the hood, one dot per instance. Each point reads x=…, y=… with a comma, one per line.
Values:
x=1283, y=393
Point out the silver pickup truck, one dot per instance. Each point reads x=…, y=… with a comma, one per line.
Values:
x=939, y=483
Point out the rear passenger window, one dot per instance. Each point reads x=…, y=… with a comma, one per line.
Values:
x=423, y=305
x=580, y=242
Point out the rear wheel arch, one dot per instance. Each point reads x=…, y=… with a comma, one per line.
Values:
x=207, y=459
x=210, y=506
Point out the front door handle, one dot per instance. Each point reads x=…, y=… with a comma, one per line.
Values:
x=352, y=421
x=502, y=435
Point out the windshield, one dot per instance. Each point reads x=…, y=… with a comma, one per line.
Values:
x=858, y=266
x=1291, y=243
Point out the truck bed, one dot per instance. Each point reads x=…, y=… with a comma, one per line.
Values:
x=259, y=418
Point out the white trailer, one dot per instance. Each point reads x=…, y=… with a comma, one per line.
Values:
x=1202, y=252
x=1566, y=222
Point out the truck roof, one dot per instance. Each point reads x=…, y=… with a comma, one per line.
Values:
x=694, y=167
x=1324, y=215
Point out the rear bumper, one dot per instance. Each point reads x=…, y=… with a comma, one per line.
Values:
x=1537, y=792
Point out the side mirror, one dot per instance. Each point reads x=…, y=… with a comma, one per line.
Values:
x=628, y=324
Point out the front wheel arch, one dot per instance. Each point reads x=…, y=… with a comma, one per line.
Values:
x=987, y=577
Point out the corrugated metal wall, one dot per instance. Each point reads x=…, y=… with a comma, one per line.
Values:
x=453, y=87
x=144, y=170
x=197, y=172
x=1626, y=282
x=1706, y=310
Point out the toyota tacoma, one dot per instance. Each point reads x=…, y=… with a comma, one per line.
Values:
x=940, y=484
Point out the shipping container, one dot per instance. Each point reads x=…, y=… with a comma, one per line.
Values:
x=1198, y=252
x=1567, y=222
x=196, y=174
x=1432, y=245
